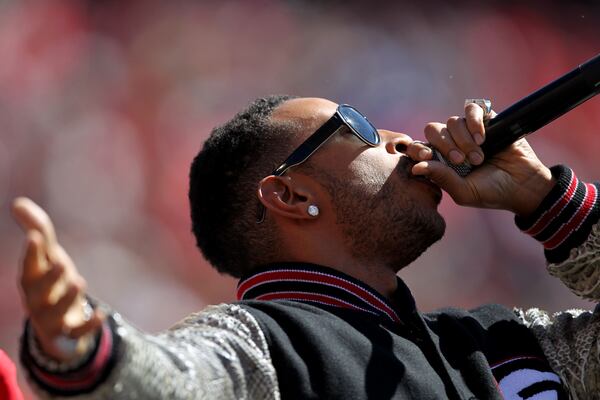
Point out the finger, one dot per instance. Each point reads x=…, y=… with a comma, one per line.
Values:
x=35, y=263
x=53, y=316
x=72, y=293
x=444, y=177
x=464, y=140
x=38, y=294
x=89, y=326
x=438, y=135
x=474, y=119
x=418, y=151
x=30, y=216
x=60, y=256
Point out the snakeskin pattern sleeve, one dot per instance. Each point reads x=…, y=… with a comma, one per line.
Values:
x=566, y=223
x=219, y=353
x=570, y=339
x=581, y=271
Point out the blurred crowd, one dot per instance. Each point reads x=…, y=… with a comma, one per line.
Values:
x=103, y=105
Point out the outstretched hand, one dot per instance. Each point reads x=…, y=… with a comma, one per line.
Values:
x=514, y=179
x=52, y=288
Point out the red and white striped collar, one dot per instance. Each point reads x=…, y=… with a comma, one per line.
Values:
x=317, y=285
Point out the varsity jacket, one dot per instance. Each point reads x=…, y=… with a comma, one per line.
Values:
x=308, y=331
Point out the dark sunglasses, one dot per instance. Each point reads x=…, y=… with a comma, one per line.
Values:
x=345, y=116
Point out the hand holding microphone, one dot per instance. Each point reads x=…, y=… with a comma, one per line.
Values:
x=512, y=177
x=534, y=111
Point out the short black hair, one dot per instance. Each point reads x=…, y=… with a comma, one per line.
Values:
x=224, y=179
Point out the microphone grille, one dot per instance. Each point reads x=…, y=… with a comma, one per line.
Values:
x=461, y=169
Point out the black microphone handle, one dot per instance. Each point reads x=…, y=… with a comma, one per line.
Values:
x=536, y=110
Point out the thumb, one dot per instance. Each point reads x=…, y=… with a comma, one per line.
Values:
x=445, y=177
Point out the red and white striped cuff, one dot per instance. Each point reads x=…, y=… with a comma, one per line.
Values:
x=81, y=379
x=565, y=217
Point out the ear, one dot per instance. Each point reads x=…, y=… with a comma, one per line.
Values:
x=285, y=197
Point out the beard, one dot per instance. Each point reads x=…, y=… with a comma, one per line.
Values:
x=387, y=225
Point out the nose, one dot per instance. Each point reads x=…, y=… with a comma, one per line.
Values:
x=395, y=142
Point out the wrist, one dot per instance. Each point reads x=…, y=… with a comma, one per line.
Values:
x=46, y=356
x=68, y=345
x=537, y=189
x=65, y=349
x=81, y=375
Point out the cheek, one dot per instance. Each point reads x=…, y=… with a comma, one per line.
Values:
x=370, y=173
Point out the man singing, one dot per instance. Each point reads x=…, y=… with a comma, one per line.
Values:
x=316, y=211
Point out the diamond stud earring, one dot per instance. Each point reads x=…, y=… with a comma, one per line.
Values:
x=313, y=210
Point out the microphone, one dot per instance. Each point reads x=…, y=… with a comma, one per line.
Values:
x=536, y=110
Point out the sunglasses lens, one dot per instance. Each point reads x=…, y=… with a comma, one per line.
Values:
x=360, y=124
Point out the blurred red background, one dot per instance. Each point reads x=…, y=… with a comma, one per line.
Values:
x=103, y=105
